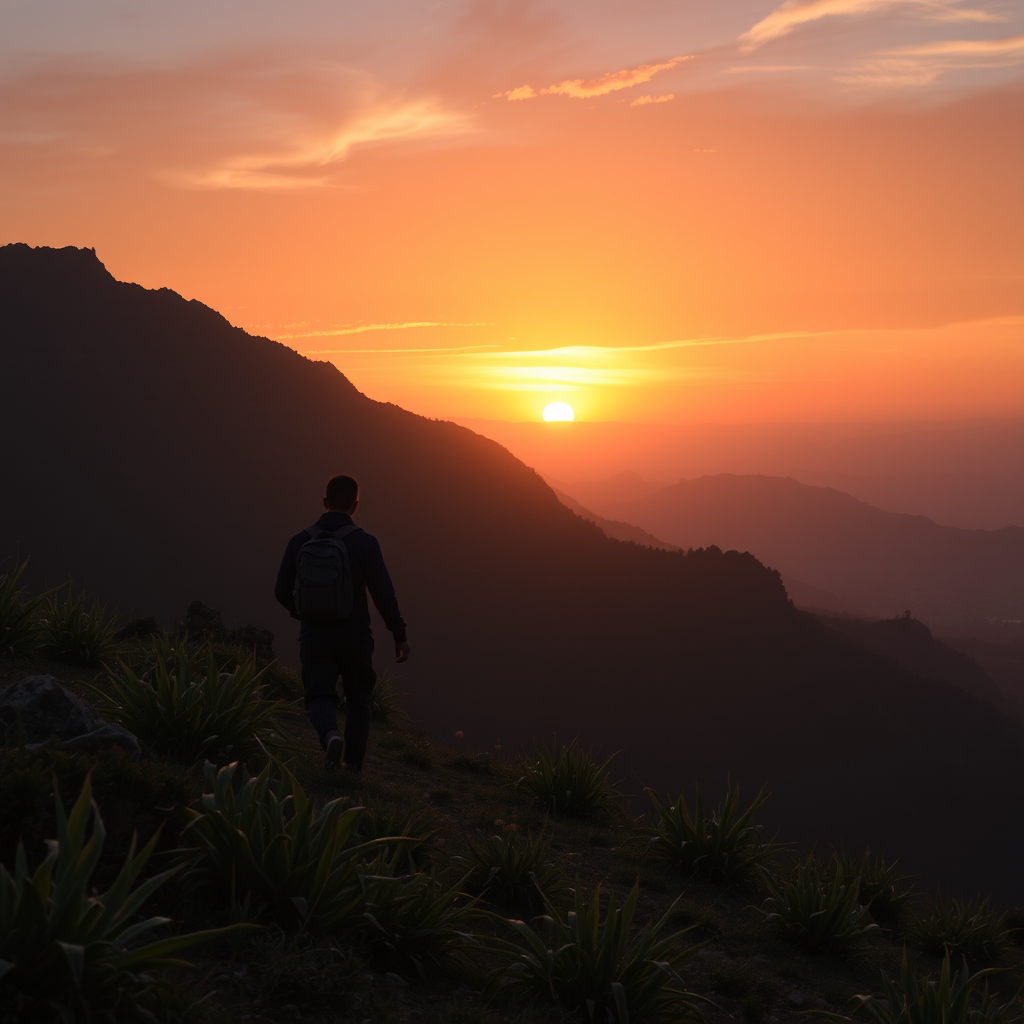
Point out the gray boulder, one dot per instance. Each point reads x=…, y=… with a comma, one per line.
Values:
x=41, y=708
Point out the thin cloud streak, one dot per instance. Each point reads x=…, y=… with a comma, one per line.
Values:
x=964, y=48
x=361, y=328
x=794, y=13
x=580, y=89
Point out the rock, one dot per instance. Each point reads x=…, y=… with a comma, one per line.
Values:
x=795, y=999
x=41, y=708
x=204, y=623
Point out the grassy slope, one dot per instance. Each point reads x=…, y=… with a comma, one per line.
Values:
x=747, y=971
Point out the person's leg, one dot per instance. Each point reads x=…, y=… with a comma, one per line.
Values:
x=358, y=679
x=320, y=669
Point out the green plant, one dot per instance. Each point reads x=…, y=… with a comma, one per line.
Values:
x=78, y=631
x=414, y=920
x=886, y=893
x=567, y=780
x=66, y=955
x=1013, y=922
x=186, y=713
x=145, y=627
x=723, y=846
x=924, y=1001
x=19, y=628
x=270, y=850
x=516, y=870
x=964, y=927
x=385, y=821
x=598, y=967
x=385, y=706
x=133, y=796
x=820, y=915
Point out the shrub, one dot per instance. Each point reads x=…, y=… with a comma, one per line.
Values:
x=597, y=967
x=66, y=955
x=385, y=821
x=724, y=846
x=385, y=706
x=78, y=631
x=415, y=920
x=186, y=713
x=132, y=796
x=819, y=915
x=271, y=851
x=516, y=871
x=924, y=1001
x=886, y=893
x=964, y=927
x=567, y=780
x=145, y=627
x=19, y=628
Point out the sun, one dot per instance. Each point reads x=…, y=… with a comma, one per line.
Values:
x=558, y=412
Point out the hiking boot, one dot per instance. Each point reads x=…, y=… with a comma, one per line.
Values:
x=334, y=752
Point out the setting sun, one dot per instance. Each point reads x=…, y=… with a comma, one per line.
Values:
x=558, y=412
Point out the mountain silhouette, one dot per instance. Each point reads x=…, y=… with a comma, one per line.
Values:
x=157, y=454
x=878, y=563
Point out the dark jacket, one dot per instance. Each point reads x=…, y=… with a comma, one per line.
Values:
x=368, y=573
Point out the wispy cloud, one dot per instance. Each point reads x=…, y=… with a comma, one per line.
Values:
x=643, y=101
x=579, y=88
x=922, y=63
x=248, y=121
x=1012, y=46
x=293, y=159
x=794, y=13
x=361, y=328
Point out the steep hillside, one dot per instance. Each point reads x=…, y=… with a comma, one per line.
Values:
x=879, y=562
x=158, y=454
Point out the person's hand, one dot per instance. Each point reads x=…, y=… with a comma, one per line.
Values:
x=402, y=651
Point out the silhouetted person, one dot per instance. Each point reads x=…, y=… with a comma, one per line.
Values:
x=324, y=576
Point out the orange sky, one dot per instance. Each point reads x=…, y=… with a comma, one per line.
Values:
x=802, y=211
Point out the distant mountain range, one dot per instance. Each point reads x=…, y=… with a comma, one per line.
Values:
x=840, y=553
x=158, y=454
x=966, y=473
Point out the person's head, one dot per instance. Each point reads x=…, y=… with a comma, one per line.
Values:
x=341, y=494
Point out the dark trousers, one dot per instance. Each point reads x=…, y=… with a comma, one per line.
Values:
x=325, y=654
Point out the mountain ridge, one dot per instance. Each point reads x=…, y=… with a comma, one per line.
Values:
x=171, y=455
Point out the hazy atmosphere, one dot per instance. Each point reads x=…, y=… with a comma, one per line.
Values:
x=652, y=376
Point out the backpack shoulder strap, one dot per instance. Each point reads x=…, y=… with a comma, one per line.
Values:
x=316, y=532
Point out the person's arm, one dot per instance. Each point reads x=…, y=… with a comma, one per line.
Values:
x=382, y=590
x=284, y=589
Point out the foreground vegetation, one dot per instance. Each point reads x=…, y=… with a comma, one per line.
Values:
x=440, y=886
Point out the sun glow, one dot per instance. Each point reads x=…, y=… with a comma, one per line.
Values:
x=558, y=412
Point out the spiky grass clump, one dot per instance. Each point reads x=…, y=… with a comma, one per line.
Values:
x=78, y=631
x=886, y=892
x=517, y=870
x=417, y=827
x=415, y=920
x=966, y=928
x=567, y=780
x=184, y=712
x=385, y=704
x=599, y=967
x=950, y=1000
x=722, y=846
x=70, y=954
x=20, y=632
x=271, y=851
x=817, y=914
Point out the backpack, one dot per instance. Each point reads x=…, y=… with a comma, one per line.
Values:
x=323, y=576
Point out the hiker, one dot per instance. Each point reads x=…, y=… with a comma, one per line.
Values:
x=323, y=580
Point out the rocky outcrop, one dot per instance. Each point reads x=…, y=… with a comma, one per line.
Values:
x=204, y=623
x=39, y=708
